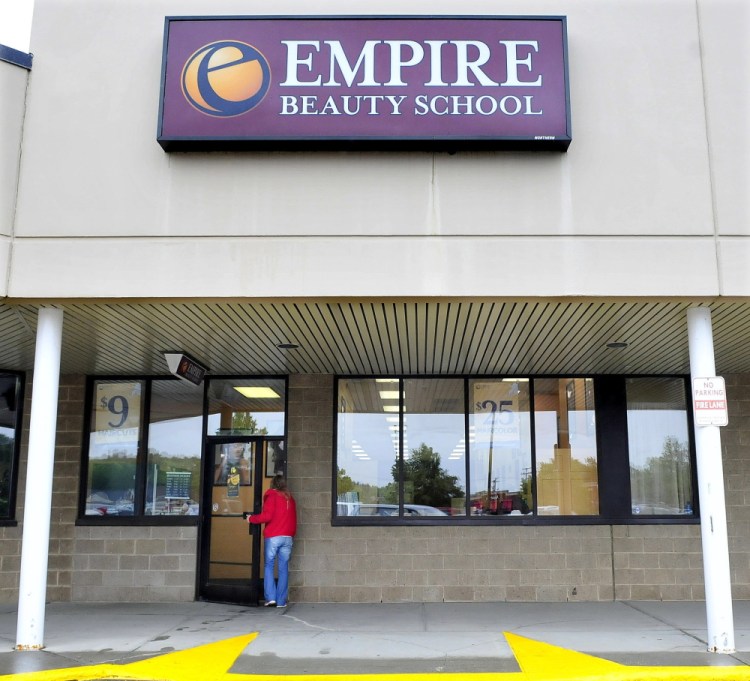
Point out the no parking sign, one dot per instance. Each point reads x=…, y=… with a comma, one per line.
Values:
x=710, y=401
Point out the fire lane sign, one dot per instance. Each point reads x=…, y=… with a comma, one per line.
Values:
x=710, y=401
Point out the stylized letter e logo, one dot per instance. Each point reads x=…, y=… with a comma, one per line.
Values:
x=226, y=78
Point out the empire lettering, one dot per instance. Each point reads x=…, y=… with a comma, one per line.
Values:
x=508, y=63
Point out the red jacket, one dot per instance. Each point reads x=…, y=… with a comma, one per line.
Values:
x=279, y=514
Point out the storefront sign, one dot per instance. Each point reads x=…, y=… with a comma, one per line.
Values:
x=185, y=367
x=710, y=401
x=392, y=82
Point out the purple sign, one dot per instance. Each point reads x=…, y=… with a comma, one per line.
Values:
x=385, y=82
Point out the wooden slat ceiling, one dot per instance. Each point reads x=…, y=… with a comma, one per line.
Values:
x=367, y=337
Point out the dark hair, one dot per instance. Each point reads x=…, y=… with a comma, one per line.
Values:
x=279, y=483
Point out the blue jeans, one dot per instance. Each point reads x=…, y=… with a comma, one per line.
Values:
x=280, y=547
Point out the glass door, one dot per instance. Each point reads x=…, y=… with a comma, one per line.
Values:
x=230, y=548
x=238, y=471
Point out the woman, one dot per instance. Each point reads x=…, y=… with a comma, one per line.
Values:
x=280, y=517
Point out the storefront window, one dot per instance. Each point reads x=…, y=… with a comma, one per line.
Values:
x=477, y=450
x=147, y=435
x=368, y=441
x=434, y=446
x=566, y=453
x=659, y=447
x=500, y=442
x=174, y=449
x=11, y=396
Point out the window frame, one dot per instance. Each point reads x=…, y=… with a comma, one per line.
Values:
x=137, y=519
x=10, y=520
x=610, y=408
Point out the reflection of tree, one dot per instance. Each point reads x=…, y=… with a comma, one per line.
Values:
x=665, y=479
x=344, y=483
x=116, y=473
x=569, y=484
x=244, y=421
x=525, y=492
x=432, y=485
x=362, y=492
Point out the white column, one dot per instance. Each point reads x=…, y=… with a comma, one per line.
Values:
x=39, y=469
x=716, y=571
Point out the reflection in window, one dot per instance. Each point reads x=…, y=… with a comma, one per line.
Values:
x=174, y=448
x=660, y=471
x=434, y=466
x=566, y=454
x=500, y=447
x=368, y=445
x=113, y=447
x=10, y=398
x=246, y=406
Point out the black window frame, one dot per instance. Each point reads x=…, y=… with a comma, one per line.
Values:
x=10, y=519
x=613, y=463
x=139, y=518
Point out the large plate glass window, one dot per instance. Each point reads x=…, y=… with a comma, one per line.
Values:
x=11, y=397
x=567, y=478
x=368, y=444
x=659, y=447
x=434, y=447
x=116, y=422
x=144, y=449
x=500, y=445
x=174, y=449
x=480, y=449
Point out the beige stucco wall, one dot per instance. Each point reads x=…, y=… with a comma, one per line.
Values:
x=13, y=81
x=641, y=188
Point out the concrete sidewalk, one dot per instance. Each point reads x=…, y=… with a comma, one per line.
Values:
x=380, y=638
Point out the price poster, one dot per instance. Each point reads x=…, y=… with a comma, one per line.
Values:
x=117, y=413
x=495, y=407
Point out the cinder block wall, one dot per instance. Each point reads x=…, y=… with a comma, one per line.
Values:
x=64, y=496
x=134, y=564
x=735, y=442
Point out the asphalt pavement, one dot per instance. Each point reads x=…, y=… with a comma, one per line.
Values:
x=373, y=638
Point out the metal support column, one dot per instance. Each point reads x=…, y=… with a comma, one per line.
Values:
x=716, y=571
x=39, y=470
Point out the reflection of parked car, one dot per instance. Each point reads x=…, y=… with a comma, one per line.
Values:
x=417, y=509
x=650, y=509
x=352, y=509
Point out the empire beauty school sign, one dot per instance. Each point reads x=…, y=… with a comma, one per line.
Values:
x=392, y=82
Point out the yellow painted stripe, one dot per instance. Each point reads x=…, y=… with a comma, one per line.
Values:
x=537, y=661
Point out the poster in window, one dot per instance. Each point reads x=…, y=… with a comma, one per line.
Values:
x=233, y=482
x=117, y=413
x=495, y=413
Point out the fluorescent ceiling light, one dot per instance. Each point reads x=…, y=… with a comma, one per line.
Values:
x=390, y=408
x=386, y=380
x=258, y=392
x=389, y=394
